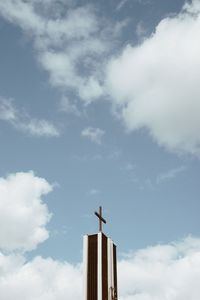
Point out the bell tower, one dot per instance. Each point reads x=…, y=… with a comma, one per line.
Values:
x=100, y=265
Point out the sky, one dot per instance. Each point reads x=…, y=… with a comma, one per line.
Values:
x=99, y=105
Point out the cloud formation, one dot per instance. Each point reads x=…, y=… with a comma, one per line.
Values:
x=155, y=85
x=39, y=279
x=170, y=271
x=71, y=42
x=23, y=214
x=23, y=122
x=121, y=4
x=93, y=134
x=170, y=174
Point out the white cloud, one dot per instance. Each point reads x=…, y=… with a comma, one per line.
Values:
x=170, y=271
x=156, y=84
x=23, y=122
x=121, y=4
x=7, y=110
x=94, y=192
x=40, y=128
x=23, y=214
x=71, y=41
x=69, y=106
x=93, y=134
x=194, y=8
x=39, y=279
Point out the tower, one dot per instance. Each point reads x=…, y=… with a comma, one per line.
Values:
x=100, y=265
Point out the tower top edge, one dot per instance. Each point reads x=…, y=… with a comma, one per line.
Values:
x=99, y=233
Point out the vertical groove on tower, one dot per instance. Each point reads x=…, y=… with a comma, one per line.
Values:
x=92, y=268
x=85, y=265
x=104, y=268
x=99, y=272
x=115, y=269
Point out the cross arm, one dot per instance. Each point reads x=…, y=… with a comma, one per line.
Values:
x=100, y=217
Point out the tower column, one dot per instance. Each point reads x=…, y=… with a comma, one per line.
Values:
x=85, y=265
x=100, y=266
x=100, y=269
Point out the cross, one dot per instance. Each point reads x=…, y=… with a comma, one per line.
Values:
x=101, y=219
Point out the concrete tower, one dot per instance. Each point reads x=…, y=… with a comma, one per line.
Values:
x=100, y=265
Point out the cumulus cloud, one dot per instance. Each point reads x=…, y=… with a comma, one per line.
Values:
x=23, y=214
x=23, y=122
x=162, y=272
x=71, y=41
x=155, y=85
x=39, y=279
x=93, y=134
x=170, y=271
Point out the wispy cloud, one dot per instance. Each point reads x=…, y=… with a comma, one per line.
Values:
x=121, y=4
x=114, y=154
x=94, y=192
x=162, y=178
x=129, y=167
x=21, y=120
x=93, y=134
x=69, y=106
x=170, y=174
x=141, y=30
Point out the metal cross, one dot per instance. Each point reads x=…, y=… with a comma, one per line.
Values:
x=101, y=219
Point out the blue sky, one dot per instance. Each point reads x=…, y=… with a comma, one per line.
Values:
x=99, y=105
